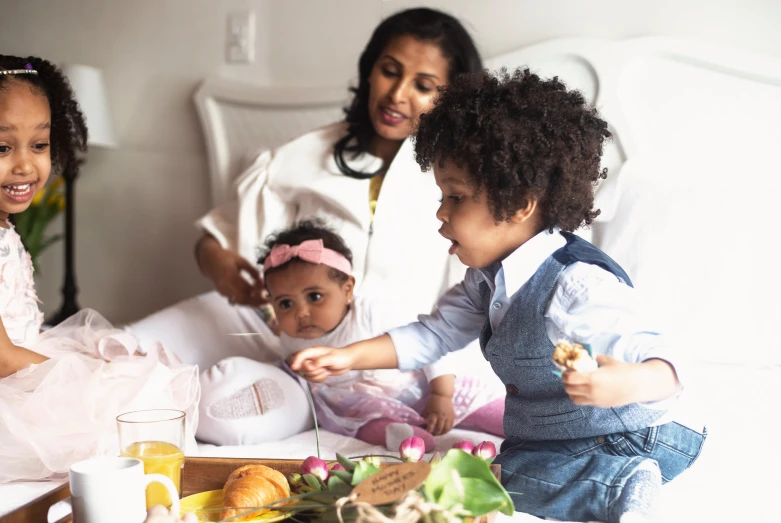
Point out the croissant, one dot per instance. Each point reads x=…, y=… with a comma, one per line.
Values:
x=252, y=486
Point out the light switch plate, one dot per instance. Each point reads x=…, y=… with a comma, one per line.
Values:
x=240, y=38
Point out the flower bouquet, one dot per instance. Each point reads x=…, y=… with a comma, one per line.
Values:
x=458, y=486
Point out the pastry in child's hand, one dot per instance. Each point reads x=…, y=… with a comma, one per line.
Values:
x=573, y=357
x=252, y=486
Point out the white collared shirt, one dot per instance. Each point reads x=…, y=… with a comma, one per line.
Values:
x=589, y=305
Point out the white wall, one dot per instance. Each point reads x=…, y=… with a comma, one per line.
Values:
x=136, y=204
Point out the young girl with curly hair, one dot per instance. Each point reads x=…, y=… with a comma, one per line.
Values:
x=517, y=159
x=60, y=390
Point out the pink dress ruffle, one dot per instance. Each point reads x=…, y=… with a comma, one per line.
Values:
x=344, y=406
x=64, y=409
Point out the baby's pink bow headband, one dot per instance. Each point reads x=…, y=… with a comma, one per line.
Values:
x=311, y=251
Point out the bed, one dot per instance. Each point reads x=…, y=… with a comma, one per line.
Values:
x=693, y=185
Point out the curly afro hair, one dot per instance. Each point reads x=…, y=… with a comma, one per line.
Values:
x=302, y=231
x=69, y=131
x=519, y=136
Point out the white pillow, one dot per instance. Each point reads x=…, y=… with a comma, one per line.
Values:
x=702, y=249
x=247, y=402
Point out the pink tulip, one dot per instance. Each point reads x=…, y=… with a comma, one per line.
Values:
x=315, y=466
x=412, y=449
x=464, y=445
x=485, y=450
x=338, y=466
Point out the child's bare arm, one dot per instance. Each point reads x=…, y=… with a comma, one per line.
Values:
x=13, y=357
x=317, y=363
x=439, y=410
x=616, y=383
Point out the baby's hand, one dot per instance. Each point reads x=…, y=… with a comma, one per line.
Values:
x=611, y=385
x=439, y=413
x=318, y=363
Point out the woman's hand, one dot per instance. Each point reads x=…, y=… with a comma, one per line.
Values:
x=317, y=363
x=616, y=383
x=233, y=276
x=160, y=514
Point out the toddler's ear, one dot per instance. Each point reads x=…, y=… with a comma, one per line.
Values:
x=524, y=213
x=349, y=287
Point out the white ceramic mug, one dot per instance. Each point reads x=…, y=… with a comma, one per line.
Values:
x=113, y=489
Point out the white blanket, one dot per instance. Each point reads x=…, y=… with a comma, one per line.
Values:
x=735, y=479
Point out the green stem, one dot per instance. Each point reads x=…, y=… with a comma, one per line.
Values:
x=377, y=456
x=314, y=416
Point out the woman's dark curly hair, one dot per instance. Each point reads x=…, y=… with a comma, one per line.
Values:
x=68, y=130
x=428, y=25
x=302, y=231
x=519, y=136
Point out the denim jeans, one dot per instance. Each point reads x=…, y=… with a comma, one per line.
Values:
x=581, y=479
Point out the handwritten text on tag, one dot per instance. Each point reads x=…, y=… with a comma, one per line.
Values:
x=391, y=483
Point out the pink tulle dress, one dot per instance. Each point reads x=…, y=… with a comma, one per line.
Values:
x=64, y=409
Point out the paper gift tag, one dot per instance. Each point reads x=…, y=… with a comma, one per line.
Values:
x=391, y=483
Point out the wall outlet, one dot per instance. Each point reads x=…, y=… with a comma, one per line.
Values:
x=240, y=42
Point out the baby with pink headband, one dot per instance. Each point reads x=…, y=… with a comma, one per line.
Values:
x=307, y=273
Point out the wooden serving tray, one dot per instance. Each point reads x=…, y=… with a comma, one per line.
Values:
x=198, y=475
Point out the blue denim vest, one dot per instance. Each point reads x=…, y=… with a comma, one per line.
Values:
x=536, y=406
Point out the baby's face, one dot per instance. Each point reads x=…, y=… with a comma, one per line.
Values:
x=307, y=302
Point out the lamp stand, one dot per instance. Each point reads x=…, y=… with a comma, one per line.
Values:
x=69, y=305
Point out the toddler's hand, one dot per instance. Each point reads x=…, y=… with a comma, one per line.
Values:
x=317, y=363
x=439, y=413
x=160, y=514
x=611, y=385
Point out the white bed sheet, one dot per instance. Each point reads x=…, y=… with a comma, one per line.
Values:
x=736, y=478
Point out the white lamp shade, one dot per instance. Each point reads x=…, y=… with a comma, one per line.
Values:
x=87, y=84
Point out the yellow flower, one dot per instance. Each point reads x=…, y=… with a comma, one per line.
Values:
x=38, y=197
x=52, y=190
x=56, y=184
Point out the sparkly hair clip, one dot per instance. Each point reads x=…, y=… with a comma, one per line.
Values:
x=28, y=69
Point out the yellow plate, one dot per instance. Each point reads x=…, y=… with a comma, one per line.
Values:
x=212, y=499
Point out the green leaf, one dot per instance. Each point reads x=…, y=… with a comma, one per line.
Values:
x=22, y=223
x=313, y=481
x=480, y=497
x=345, y=462
x=337, y=484
x=51, y=239
x=343, y=475
x=362, y=471
x=326, y=498
x=469, y=468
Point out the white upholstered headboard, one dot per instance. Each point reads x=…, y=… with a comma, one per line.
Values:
x=614, y=76
x=689, y=205
x=241, y=118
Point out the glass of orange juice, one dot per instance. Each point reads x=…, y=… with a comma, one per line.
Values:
x=156, y=437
